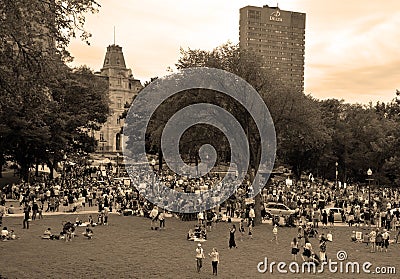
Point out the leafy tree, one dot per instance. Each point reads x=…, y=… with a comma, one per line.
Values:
x=33, y=48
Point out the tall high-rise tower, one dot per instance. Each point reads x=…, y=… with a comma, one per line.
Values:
x=278, y=36
x=122, y=88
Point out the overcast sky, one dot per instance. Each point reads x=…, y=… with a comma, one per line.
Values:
x=352, y=46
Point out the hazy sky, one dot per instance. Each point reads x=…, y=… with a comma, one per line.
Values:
x=352, y=46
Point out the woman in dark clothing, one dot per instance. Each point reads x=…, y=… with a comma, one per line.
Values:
x=232, y=242
x=331, y=217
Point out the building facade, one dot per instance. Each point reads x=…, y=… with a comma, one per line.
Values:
x=278, y=36
x=122, y=89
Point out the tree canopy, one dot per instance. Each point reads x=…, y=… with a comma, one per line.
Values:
x=45, y=107
x=312, y=134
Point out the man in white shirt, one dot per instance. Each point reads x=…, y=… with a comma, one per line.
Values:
x=153, y=217
x=385, y=237
x=199, y=257
x=252, y=215
x=200, y=218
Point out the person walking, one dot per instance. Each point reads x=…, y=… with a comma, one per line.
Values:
x=214, y=260
x=161, y=218
x=275, y=234
x=295, y=248
x=232, y=242
x=27, y=210
x=199, y=257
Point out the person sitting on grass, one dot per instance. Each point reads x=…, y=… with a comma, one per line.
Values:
x=91, y=221
x=12, y=235
x=68, y=231
x=190, y=235
x=4, y=234
x=48, y=234
x=88, y=233
x=197, y=231
x=353, y=236
x=78, y=222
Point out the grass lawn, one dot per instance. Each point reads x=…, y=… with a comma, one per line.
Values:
x=127, y=248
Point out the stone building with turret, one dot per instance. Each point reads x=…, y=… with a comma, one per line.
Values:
x=122, y=89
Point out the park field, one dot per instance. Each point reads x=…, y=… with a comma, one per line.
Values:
x=127, y=248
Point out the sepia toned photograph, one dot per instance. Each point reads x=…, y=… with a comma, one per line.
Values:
x=199, y=139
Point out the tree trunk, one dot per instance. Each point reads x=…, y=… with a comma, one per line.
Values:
x=37, y=169
x=1, y=164
x=51, y=174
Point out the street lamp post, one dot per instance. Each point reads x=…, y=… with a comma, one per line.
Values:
x=117, y=164
x=153, y=164
x=63, y=170
x=336, y=175
x=369, y=173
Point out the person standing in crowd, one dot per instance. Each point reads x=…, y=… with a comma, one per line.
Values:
x=324, y=219
x=385, y=239
x=27, y=210
x=214, y=260
x=378, y=241
x=275, y=234
x=35, y=210
x=199, y=257
x=315, y=217
x=252, y=215
x=153, y=217
x=209, y=218
x=331, y=218
x=241, y=229
x=295, y=248
x=232, y=242
x=161, y=218
x=105, y=215
x=251, y=231
x=322, y=248
x=200, y=218
x=372, y=239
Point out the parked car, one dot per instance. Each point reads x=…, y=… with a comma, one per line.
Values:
x=274, y=208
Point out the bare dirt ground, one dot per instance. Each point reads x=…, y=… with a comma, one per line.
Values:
x=127, y=248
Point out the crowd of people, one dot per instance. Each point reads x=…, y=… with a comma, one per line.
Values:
x=102, y=189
